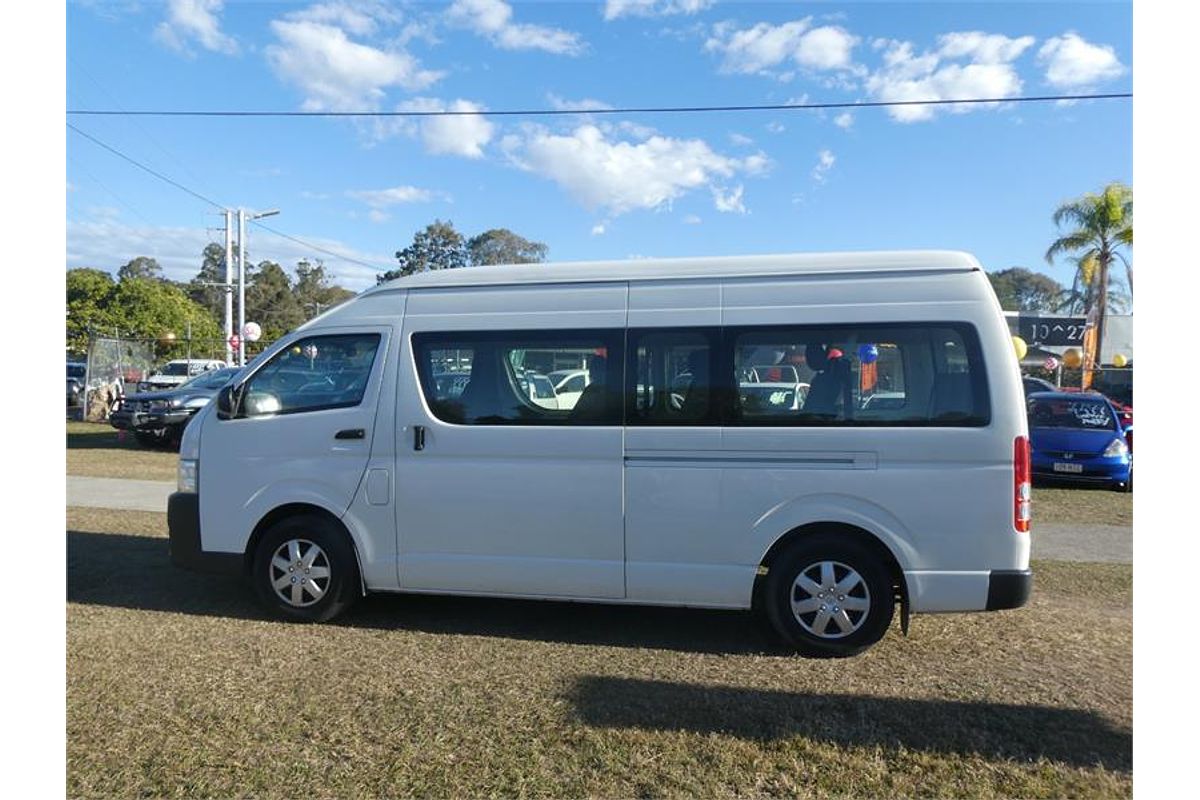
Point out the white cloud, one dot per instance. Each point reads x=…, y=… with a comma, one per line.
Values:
x=845, y=120
x=691, y=219
x=775, y=127
x=492, y=19
x=382, y=198
x=728, y=202
x=586, y=104
x=760, y=49
x=377, y=216
x=936, y=75
x=599, y=229
x=1073, y=63
x=825, y=161
x=194, y=21
x=360, y=19
x=652, y=8
x=107, y=243
x=336, y=73
x=464, y=135
x=620, y=176
x=740, y=139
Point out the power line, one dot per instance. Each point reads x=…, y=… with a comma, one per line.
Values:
x=319, y=249
x=142, y=166
x=554, y=112
x=180, y=186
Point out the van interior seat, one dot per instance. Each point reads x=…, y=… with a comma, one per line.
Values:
x=830, y=383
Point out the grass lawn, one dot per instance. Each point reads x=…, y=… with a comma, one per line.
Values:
x=99, y=450
x=178, y=685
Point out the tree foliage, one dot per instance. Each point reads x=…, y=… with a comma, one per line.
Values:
x=1098, y=227
x=313, y=290
x=140, y=268
x=1020, y=289
x=270, y=300
x=438, y=246
x=502, y=246
x=212, y=271
x=138, y=308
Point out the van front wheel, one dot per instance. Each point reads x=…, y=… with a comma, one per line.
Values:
x=304, y=569
x=829, y=596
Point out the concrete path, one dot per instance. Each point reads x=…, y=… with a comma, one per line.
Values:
x=1111, y=543
x=118, y=493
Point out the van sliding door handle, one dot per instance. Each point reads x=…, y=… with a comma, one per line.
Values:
x=351, y=433
x=418, y=437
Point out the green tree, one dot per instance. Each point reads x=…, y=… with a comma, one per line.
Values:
x=212, y=271
x=89, y=305
x=439, y=246
x=1098, y=227
x=502, y=246
x=142, y=267
x=270, y=301
x=313, y=290
x=1020, y=289
x=150, y=309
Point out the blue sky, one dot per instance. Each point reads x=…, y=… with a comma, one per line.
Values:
x=983, y=179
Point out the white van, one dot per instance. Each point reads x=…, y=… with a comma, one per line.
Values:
x=345, y=461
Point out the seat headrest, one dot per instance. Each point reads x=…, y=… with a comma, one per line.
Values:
x=815, y=356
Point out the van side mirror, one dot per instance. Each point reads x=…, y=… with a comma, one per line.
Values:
x=227, y=402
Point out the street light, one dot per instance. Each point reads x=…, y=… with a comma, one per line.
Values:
x=242, y=276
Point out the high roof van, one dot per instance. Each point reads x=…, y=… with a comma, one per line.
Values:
x=818, y=437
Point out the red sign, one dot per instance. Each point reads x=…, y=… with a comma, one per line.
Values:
x=234, y=341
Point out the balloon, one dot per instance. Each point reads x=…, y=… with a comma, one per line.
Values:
x=1020, y=346
x=868, y=353
x=1072, y=359
x=1051, y=363
x=167, y=338
x=252, y=332
x=1119, y=360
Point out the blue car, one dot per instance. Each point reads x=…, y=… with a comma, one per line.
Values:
x=1079, y=437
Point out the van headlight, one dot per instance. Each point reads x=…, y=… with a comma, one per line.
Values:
x=189, y=475
x=1116, y=447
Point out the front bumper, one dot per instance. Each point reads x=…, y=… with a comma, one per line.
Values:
x=166, y=419
x=183, y=527
x=1008, y=588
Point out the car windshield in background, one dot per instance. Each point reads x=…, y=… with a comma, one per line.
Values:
x=174, y=369
x=1079, y=414
x=211, y=380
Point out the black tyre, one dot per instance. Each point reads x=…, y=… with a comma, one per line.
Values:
x=829, y=596
x=304, y=569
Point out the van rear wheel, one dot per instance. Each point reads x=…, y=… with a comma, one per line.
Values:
x=304, y=569
x=829, y=596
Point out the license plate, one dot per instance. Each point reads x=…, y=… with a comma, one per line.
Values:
x=1060, y=467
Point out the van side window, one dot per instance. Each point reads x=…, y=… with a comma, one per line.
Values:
x=315, y=373
x=671, y=372
x=521, y=378
x=894, y=375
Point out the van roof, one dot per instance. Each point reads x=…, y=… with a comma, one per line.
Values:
x=706, y=267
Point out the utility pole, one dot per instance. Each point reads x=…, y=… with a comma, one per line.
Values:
x=228, y=287
x=241, y=355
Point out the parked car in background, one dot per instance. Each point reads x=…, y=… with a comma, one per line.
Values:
x=76, y=375
x=1032, y=384
x=158, y=418
x=774, y=388
x=1079, y=437
x=569, y=385
x=538, y=388
x=176, y=373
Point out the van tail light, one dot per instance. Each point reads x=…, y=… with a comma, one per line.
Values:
x=1022, y=486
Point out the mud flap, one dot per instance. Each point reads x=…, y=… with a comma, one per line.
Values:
x=904, y=616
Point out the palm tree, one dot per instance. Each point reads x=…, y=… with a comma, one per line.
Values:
x=1100, y=224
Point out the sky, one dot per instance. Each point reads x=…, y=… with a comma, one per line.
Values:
x=981, y=178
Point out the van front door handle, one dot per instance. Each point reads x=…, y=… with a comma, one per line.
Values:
x=418, y=437
x=351, y=433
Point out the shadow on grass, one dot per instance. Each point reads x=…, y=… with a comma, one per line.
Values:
x=993, y=730
x=135, y=572
x=102, y=440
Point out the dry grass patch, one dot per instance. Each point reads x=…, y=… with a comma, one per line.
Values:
x=1082, y=506
x=177, y=685
x=98, y=450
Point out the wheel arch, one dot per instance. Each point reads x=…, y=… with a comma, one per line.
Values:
x=287, y=510
x=859, y=534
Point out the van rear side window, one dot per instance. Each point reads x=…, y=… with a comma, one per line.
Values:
x=514, y=378
x=894, y=375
